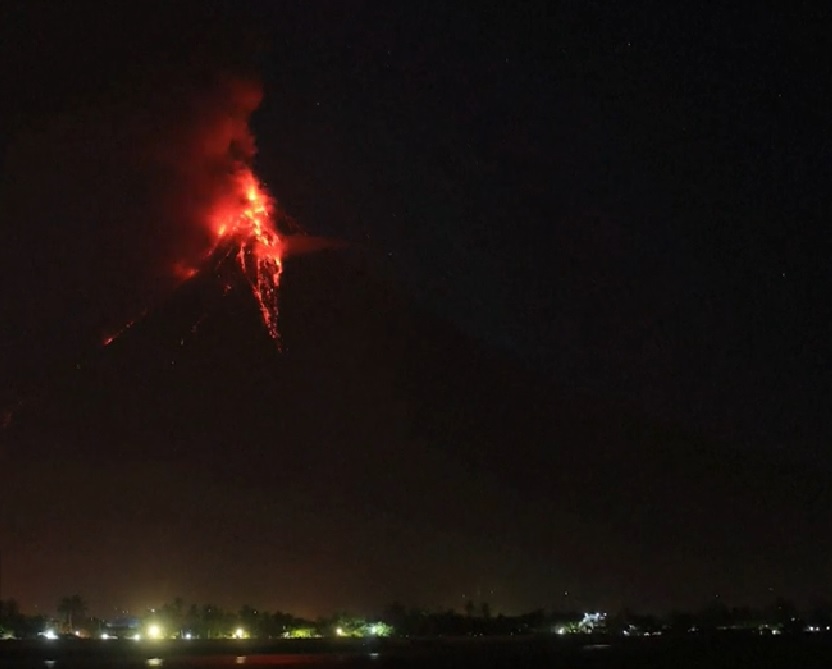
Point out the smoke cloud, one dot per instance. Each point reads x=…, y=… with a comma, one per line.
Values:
x=206, y=142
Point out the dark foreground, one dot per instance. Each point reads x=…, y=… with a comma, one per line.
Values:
x=713, y=653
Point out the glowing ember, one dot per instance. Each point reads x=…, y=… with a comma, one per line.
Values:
x=111, y=338
x=248, y=226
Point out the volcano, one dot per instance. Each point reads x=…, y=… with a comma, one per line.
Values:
x=381, y=455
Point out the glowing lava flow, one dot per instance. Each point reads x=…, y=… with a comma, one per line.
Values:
x=249, y=229
x=245, y=231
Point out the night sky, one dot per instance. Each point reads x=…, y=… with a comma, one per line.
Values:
x=572, y=349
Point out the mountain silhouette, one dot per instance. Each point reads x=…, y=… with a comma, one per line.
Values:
x=381, y=454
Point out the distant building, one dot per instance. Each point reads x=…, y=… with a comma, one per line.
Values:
x=594, y=622
x=122, y=628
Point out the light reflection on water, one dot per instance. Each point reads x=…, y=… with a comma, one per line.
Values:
x=266, y=659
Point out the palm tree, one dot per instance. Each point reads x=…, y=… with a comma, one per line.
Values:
x=470, y=607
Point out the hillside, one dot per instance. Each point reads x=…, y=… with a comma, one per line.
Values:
x=215, y=447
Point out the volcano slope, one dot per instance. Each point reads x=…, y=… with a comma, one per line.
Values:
x=381, y=454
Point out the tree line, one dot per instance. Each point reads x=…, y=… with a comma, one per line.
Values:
x=211, y=621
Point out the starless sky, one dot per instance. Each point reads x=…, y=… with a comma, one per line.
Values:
x=574, y=219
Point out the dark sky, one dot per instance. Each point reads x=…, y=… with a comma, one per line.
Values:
x=581, y=235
